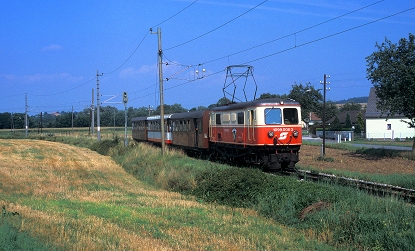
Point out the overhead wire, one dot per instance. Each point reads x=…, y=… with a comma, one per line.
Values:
x=220, y=26
x=175, y=14
x=129, y=57
x=328, y=36
x=68, y=90
x=303, y=44
x=294, y=33
x=125, y=61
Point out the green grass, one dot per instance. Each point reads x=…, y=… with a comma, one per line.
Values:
x=12, y=239
x=348, y=222
x=351, y=219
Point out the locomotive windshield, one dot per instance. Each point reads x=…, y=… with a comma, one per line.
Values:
x=290, y=116
x=272, y=116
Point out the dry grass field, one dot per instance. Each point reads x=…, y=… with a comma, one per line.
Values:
x=75, y=199
x=350, y=161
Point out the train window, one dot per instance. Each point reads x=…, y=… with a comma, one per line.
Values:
x=226, y=117
x=233, y=117
x=290, y=116
x=240, y=118
x=218, y=121
x=272, y=116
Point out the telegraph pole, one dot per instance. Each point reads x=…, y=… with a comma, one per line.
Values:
x=26, y=122
x=98, y=105
x=72, y=119
x=160, y=68
x=125, y=101
x=92, y=113
x=324, y=114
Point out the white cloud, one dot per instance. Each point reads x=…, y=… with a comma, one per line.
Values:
x=52, y=47
x=133, y=72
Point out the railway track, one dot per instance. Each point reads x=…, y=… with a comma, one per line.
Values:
x=378, y=189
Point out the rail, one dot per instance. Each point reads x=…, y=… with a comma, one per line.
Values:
x=372, y=187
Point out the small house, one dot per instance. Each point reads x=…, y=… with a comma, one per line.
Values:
x=377, y=127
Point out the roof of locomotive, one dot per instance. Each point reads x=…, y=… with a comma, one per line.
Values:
x=258, y=102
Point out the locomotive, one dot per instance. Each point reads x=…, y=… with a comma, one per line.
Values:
x=265, y=132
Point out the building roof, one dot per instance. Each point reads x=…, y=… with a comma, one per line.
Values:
x=343, y=115
x=371, y=109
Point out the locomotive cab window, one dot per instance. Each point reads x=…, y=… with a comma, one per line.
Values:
x=272, y=116
x=290, y=116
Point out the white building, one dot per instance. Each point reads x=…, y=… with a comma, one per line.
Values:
x=377, y=127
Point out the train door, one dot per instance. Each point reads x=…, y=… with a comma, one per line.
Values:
x=212, y=127
x=167, y=129
x=251, y=116
x=196, y=123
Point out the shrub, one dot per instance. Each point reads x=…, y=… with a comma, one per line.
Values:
x=104, y=146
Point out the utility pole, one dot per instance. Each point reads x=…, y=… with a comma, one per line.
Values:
x=92, y=113
x=160, y=68
x=40, y=124
x=12, y=125
x=98, y=106
x=125, y=101
x=26, y=122
x=72, y=119
x=324, y=114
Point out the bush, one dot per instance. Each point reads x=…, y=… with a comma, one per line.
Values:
x=104, y=146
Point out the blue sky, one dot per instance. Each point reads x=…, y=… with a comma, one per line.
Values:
x=52, y=50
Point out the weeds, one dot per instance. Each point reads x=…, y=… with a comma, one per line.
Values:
x=341, y=217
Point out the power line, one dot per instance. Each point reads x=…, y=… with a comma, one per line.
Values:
x=331, y=35
x=146, y=36
x=300, y=45
x=294, y=33
x=174, y=15
x=136, y=48
x=68, y=90
x=220, y=26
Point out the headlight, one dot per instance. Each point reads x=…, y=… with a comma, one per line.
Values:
x=295, y=133
x=270, y=134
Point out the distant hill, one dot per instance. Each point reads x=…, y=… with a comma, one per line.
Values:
x=353, y=100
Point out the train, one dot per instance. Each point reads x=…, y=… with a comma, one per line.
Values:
x=262, y=132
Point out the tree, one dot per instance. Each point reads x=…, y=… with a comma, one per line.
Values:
x=331, y=110
x=350, y=107
x=308, y=97
x=64, y=120
x=348, y=123
x=269, y=95
x=360, y=123
x=199, y=108
x=221, y=102
x=336, y=125
x=391, y=70
x=5, y=120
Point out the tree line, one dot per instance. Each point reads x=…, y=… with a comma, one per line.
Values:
x=310, y=99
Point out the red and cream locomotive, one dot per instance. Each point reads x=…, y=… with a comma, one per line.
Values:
x=265, y=131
